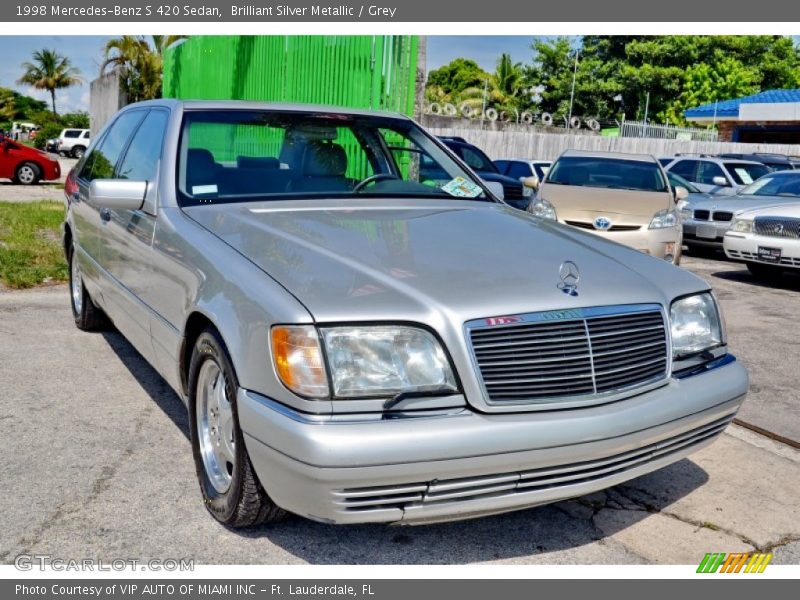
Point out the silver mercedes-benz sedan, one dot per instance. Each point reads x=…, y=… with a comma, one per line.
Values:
x=355, y=342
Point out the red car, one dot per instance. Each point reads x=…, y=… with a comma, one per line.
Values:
x=26, y=165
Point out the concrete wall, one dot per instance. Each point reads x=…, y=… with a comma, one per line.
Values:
x=105, y=98
x=548, y=146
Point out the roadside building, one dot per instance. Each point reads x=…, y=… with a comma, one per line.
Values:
x=769, y=117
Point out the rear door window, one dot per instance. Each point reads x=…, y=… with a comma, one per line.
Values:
x=686, y=169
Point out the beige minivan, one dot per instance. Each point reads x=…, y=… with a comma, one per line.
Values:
x=622, y=197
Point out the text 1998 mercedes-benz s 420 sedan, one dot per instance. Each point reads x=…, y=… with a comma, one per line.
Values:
x=356, y=342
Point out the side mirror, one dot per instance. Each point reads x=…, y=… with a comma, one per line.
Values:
x=530, y=182
x=496, y=188
x=720, y=181
x=681, y=193
x=117, y=194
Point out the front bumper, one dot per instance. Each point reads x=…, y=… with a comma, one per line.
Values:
x=655, y=242
x=744, y=247
x=467, y=464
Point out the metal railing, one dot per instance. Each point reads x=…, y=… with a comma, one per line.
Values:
x=641, y=129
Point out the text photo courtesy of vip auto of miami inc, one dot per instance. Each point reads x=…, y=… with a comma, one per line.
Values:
x=265, y=298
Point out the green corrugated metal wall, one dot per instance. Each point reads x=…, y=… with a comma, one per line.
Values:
x=374, y=72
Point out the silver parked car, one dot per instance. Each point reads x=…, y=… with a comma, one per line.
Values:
x=705, y=221
x=356, y=343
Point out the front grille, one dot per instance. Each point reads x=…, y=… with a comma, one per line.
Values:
x=722, y=216
x=512, y=192
x=779, y=227
x=702, y=215
x=596, y=353
x=440, y=491
x=584, y=225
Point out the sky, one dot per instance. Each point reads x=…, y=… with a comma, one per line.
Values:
x=84, y=51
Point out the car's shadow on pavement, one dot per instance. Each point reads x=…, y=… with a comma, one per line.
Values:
x=536, y=531
x=787, y=281
x=159, y=390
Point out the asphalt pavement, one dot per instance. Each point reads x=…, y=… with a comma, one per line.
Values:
x=98, y=464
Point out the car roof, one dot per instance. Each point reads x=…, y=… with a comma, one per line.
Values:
x=718, y=159
x=533, y=161
x=617, y=155
x=253, y=105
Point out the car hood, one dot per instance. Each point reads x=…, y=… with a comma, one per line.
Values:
x=737, y=204
x=791, y=210
x=433, y=259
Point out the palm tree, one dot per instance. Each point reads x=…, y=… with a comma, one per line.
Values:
x=50, y=71
x=140, y=62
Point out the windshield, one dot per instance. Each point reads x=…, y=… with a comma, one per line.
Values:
x=613, y=173
x=746, y=173
x=787, y=184
x=240, y=156
x=676, y=180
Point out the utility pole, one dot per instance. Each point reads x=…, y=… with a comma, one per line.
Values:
x=572, y=94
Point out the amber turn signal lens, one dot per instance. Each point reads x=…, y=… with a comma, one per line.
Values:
x=298, y=360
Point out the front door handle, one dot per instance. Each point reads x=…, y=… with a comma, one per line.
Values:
x=105, y=214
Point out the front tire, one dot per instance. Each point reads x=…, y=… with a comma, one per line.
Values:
x=28, y=173
x=231, y=491
x=88, y=317
x=77, y=151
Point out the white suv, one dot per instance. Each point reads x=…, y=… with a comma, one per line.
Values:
x=73, y=142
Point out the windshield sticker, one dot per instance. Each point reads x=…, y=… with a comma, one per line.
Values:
x=743, y=175
x=204, y=189
x=462, y=188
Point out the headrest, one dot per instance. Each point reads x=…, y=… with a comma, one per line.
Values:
x=324, y=159
x=200, y=159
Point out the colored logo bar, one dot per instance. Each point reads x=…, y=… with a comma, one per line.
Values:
x=742, y=562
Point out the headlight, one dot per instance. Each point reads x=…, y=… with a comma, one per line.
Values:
x=386, y=360
x=665, y=218
x=695, y=324
x=298, y=360
x=526, y=191
x=742, y=226
x=542, y=208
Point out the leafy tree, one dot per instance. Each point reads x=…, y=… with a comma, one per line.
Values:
x=50, y=71
x=706, y=83
x=140, y=61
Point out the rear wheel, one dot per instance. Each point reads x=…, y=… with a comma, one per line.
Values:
x=230, y=488
x=28, y=173
x=762, y=271
x=87, y=315
x=77, y=151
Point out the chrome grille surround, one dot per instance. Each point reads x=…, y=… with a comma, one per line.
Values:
x=778, y=227
x=572, y=357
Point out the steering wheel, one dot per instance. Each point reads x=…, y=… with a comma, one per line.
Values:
x=373, y=179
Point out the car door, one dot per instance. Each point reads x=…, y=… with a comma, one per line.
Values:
x=90, y=222
x=128, y=237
